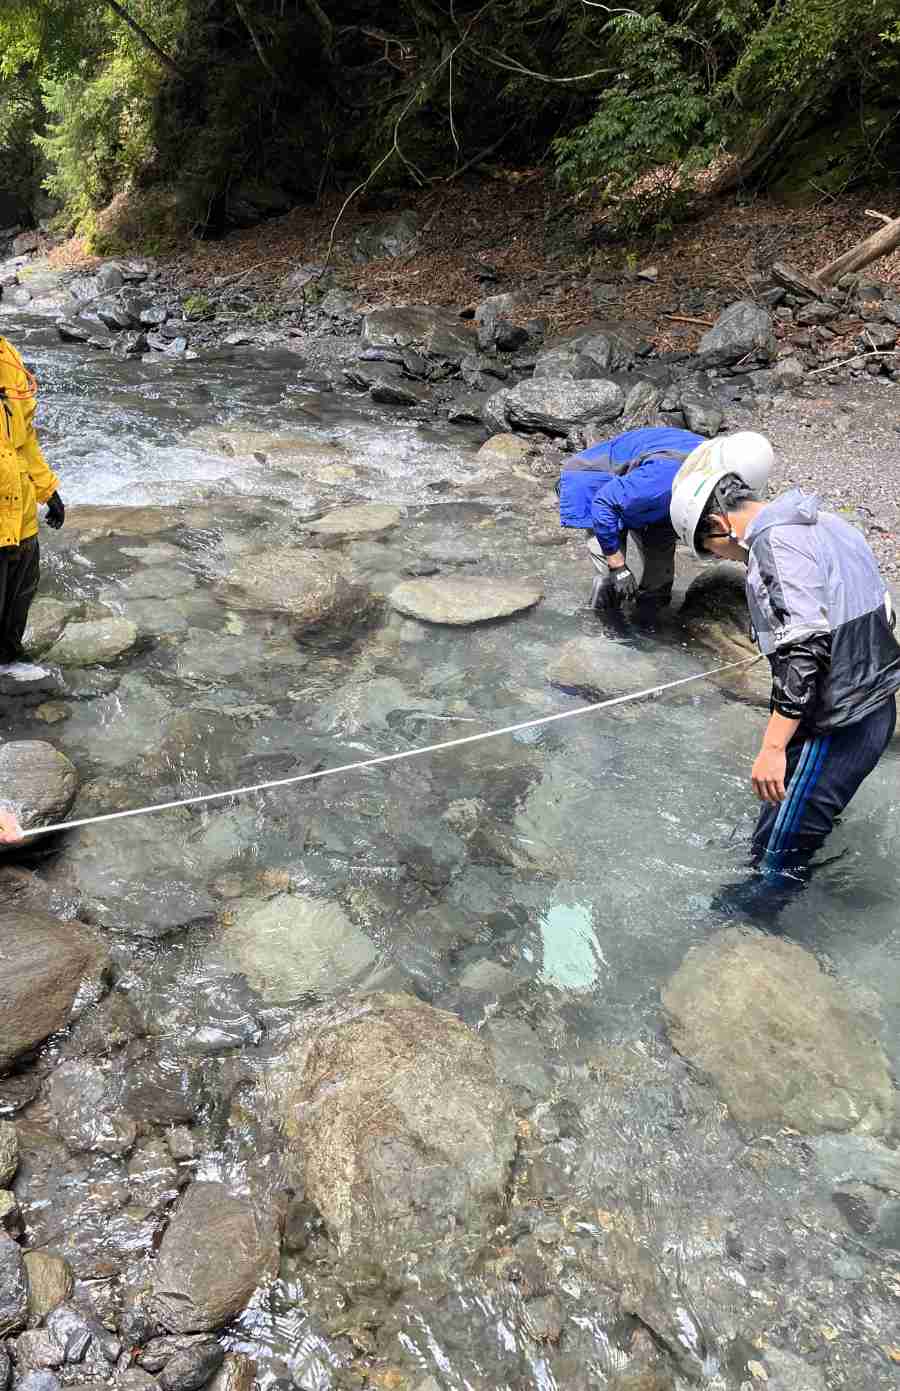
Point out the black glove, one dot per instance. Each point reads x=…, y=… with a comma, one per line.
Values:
x=614, y=588
x=56, y=512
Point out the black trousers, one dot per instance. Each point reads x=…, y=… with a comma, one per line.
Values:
x=20, y=570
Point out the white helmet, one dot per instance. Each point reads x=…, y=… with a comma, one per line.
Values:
x=747, y=454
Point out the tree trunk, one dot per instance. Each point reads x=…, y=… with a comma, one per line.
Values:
x=880, y=243
x=144, y=36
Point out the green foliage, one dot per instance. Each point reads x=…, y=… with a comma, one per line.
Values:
x=99, y=135
x=656, y=115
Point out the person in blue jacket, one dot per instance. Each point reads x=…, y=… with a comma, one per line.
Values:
x=622, y=488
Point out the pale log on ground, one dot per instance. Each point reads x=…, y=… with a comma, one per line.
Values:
x=880, y=243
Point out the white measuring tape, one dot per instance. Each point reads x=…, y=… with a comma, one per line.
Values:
x=387, y=757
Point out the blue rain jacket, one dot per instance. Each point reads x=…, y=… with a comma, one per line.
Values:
x=623, y=484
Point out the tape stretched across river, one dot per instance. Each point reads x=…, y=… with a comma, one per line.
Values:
x=389, y=757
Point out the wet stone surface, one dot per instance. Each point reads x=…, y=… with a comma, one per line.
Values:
x=604, y=1147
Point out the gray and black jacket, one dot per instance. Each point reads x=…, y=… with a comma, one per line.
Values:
x=822, y=614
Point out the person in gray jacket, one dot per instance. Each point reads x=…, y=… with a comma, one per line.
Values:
x=823, y=616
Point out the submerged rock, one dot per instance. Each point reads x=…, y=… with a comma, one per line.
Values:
x=780, y=1041
x=296, y=943
x=87, y=644
x=461, y=601
x=46, y=963
x=39, y=781
x=218, y=1248
x=313, y=589
x=597, y=667
x=367, y=519
x=397, y=1117
x=83, y=1105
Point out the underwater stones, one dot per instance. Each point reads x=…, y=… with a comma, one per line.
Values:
x=309, y=587
x=596, y=667
x=778, y=1038
x=45, y=963
x=395, y=1113
x=347, y=523
x=91, y=643
x=27, y=684
x=295, y=943
x=82, y=1102
x=157, y=905
x=38, y=780
x=458, y=602
x=218, y=1248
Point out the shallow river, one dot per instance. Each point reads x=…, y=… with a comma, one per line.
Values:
x=544, y=887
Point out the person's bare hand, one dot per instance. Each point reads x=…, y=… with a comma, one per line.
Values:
x=10, y=830
x=767, y=774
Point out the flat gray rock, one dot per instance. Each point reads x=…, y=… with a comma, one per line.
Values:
x=368, y=519
x=308, y=586
x=596, y=667
x=88, y=644
x=295, y=944
x=458, y=602
x=778, y=1038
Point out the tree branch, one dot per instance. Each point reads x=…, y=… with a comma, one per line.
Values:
x=144, y=37
x=260, y=51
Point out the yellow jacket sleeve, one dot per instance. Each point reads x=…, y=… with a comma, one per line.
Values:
x=45, y=482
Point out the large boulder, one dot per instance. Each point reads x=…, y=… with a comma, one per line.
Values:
x=716, y=616
x=781, y=1042
x=46, y=620
x=434, y=332
x=218, y=1248
x=395, y=1113
x=294, y=944
x=743, y=329
x=44, y=965
x=307, y=585
x=597, y=667
x=461, y=601
x=88, y=644
x=39, y=781
x=553, y=405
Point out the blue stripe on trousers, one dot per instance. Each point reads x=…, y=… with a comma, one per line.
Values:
x=806, y=775
x=793, y=792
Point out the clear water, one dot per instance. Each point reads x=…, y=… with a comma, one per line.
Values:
x=602, y=843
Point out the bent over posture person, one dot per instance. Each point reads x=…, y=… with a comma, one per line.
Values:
x=622, y=489
x=25, y=481
x=822, y=615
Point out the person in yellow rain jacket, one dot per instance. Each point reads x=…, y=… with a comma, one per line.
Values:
x=25, y=481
